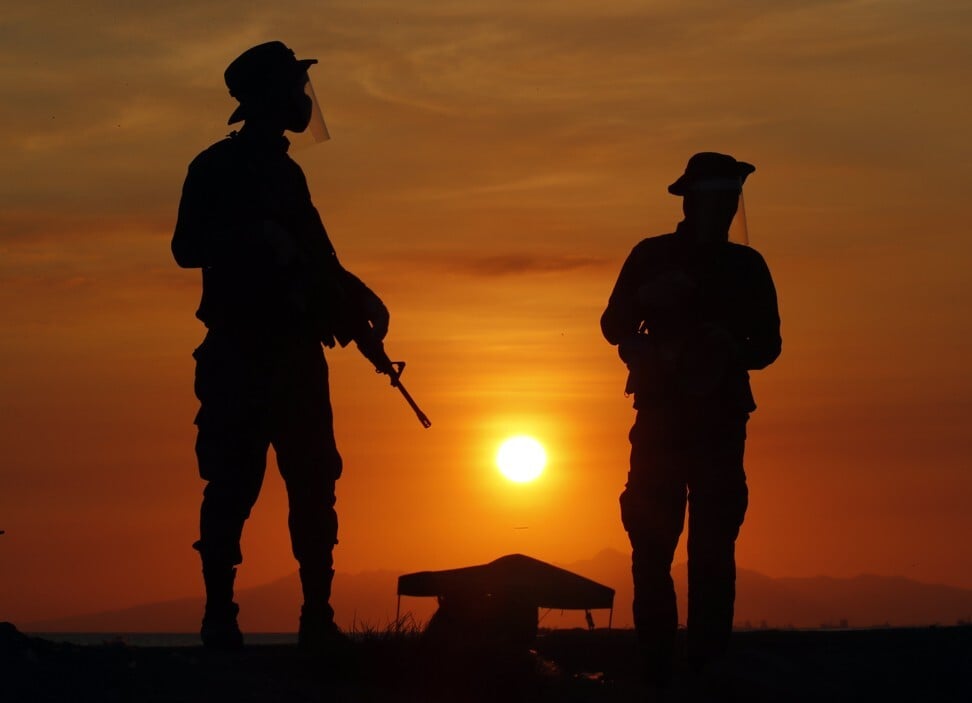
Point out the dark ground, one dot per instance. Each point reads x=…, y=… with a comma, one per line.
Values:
x=933, y=664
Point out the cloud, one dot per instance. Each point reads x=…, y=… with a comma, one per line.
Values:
x=501, y=265
x=459, y=107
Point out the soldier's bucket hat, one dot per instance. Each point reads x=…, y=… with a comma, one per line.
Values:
x=260, y=72
x=709, y=170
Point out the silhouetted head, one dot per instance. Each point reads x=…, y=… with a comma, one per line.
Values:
x=711, y=186
x=269, y=81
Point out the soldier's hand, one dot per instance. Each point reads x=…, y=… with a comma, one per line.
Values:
x=374, y=351
x=377, y=314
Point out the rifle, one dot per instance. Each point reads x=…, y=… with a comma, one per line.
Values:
x=339, y=306
x=375, y=353
x=354, y=326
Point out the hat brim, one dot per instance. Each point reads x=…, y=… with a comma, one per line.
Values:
x=679, y=187
x=684, y=183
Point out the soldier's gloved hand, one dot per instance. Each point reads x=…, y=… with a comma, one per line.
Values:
x=377, y=314
x=283, y=249
x=374, y=351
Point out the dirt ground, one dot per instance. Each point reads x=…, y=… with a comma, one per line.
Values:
x=933, y=664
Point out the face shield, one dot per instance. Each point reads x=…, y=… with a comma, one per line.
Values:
x=316, y=131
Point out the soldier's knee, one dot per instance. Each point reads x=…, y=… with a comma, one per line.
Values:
x=650, y=513
x=311, y=466
x=719, y=506
x=218, y=553
x=232, y=500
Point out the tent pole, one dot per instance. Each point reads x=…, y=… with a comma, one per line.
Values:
x=398, y=611
x=611, y=617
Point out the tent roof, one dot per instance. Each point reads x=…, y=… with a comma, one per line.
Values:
x=514, y=575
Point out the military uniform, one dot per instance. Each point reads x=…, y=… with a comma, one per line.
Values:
x=261, y=375
x=690, y=318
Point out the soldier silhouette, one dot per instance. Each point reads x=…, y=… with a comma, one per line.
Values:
x=691, y=313
x=272, y=292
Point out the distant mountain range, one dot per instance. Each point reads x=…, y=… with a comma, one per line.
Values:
x=367, y=601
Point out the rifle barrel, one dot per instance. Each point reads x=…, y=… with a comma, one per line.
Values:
x=426, y=422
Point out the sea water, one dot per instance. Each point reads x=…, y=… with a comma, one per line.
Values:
x=157, y=639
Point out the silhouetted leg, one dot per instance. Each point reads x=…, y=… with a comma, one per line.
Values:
x=655, y=608
x=231, y=443
x=653, y=513
x=312, y=519
x=231, y=448
x=227, y=502
x=233, y=462
x=310, y=464
x=232, y=456
x=718, y=498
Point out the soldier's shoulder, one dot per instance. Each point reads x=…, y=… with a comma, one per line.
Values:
x=219, y=154
x=655, y=243
x=743, y=251
x=745, y=256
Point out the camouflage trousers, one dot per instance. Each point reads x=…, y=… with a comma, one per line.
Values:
x=678, y=460
x=252, y=397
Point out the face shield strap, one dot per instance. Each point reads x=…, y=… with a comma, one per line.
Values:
x=316, y=131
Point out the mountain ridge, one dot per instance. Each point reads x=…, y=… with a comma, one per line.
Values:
x=367, y=600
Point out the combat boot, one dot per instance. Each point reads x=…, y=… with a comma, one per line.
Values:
x=219, y=627
x=318, y=632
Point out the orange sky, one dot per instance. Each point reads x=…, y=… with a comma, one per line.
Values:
x=488, y=173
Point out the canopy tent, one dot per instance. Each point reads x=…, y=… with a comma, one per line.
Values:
x=513, y=577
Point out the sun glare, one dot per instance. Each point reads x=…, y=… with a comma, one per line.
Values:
x=521, y=459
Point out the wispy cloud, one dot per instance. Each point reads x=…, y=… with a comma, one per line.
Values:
x=501, y=265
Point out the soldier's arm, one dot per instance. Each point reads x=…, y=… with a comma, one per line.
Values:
x=371, y=305
x=212, y=225
x=360, y=315
x=621, y=318
x=762, y=343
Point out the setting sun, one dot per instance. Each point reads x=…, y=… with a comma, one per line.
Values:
x=521, y=459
